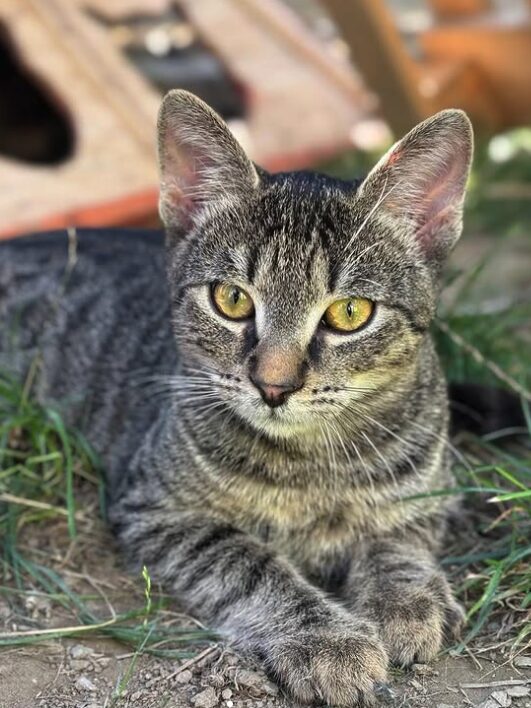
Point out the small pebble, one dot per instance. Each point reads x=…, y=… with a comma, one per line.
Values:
x=79, y=651
x=83, y=683
x=248, y=679
x=519, y=691
x=503, y=698
x=422, y=669
x=184, y=676
x=416, y=684
x=205, y=699
x=226, y=694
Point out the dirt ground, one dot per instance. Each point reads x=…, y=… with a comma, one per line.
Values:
x=86, y=671
x=84, y=675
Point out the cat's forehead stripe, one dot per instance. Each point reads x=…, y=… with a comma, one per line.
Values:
x=298, y=270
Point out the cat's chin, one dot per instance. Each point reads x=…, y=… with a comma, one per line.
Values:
x=280, y=422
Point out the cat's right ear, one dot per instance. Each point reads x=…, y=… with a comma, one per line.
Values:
x=202, y=166
x=418, y=187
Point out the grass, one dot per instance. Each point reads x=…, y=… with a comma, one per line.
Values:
x=48, y=472
x=493, y=575
x=41, y=463
x=493, y=348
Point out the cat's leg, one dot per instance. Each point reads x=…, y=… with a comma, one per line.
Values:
x=311, y=646
x=399, y=586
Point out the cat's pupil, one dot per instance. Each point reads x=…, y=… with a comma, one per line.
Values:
x=350, y=309
x=235, y=296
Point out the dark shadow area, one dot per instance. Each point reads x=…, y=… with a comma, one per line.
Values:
x=168, y=52
x=33, y=127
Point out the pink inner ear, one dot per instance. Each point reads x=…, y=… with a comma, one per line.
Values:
x=446, y=188
x=394, y=157
x=432, y=233
x=425, y=189
x=181, y=177
x=438, y=212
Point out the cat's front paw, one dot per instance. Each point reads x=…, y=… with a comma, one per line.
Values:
x=340, y=667
x=416, y=623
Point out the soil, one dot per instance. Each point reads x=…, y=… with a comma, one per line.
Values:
x=95, y=672
x=53, y=677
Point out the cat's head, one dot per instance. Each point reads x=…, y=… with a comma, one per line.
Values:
x=297, y=297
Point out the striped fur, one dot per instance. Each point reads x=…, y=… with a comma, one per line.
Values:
x=289, y=529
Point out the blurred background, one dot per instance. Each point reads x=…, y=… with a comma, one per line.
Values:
x=324, y=84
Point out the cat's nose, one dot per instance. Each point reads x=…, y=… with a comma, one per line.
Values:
x=275, y=394
x=276, y=372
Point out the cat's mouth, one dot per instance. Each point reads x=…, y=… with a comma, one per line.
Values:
x=280, y=422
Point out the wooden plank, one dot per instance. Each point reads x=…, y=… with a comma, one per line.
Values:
x=280, y=20
x=378, y=51
x=111, y=74
x=457, y=84
x=452, y=9
x=501, y=52
x=112, y=112
x=302, y=104
x=118, y=9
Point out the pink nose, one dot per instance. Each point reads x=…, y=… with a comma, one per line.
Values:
x=275, y=394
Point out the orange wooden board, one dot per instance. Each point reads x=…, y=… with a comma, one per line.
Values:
x=302, y=105
x=501, y=51
x=111, y=109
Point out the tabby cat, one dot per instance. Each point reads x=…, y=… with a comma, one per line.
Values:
x=265, y=394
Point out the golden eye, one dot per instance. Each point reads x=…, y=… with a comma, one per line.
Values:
x=348, y=314
x=232, y=301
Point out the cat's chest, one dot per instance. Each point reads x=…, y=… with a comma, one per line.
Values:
x=305, y=522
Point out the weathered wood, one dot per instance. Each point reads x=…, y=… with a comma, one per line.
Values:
x=112, y=112
x=302, y=103
x=460, y=84
x=500, y=51
x=379, y=53
x=118, y=9
x=451, y=9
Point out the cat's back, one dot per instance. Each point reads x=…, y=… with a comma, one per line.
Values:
x=91, y=307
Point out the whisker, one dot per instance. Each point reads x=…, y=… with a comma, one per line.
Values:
x=462, y=459
x=365, y=469
x=396, y=436
x=382, y=458
x=365, y=416
x=367, y=218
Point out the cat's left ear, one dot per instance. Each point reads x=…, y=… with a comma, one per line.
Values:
x=202, y=166
x=418, y=187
